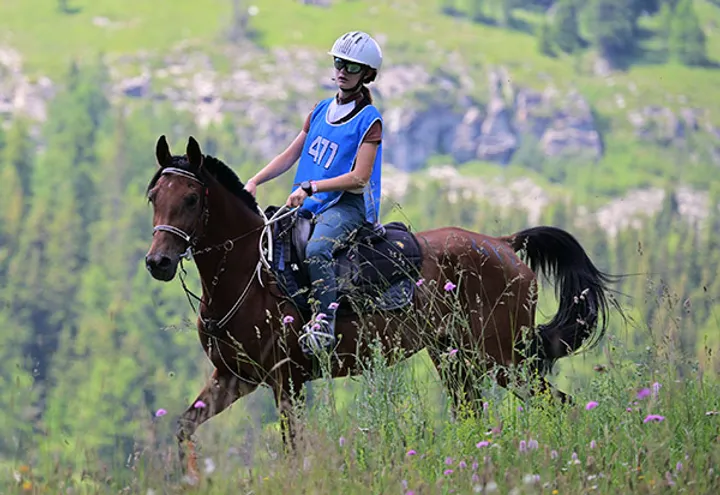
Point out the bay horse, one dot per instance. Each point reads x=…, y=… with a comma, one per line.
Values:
x=475, y=294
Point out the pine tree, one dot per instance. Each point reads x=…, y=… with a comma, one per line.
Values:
x=687, y=41
x=565, y=30
x=611, y=24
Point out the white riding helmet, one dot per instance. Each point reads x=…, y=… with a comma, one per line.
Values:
x=359, y=47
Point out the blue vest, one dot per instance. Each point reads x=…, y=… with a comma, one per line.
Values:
x=330, y=150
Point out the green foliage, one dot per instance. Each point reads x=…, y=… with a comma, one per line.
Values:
x=611, y=24
x=565, y=29
x=687, y=41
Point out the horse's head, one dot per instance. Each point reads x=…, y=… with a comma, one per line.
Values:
x=178, y=196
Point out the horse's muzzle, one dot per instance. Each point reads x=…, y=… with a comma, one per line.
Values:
x=161, y=267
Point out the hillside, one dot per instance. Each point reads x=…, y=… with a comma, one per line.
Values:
x=471, y=94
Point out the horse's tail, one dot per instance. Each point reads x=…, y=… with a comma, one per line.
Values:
x=581, y=290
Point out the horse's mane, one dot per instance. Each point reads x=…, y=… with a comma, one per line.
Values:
x=217, y=169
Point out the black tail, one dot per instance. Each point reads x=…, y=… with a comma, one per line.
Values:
x=581, y=290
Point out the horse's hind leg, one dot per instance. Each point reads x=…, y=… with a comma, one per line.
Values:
x=221, y=391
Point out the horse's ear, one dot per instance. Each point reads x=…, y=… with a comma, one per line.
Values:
x=162, y=152
x=194, y=154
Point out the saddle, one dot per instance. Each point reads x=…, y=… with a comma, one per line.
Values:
x=377, y=266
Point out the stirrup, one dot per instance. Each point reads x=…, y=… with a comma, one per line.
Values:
x=318, y=336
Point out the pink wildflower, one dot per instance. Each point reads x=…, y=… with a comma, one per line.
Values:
x=653, y=417
x=554, y=454
x=160, y=412
x=199, y=405
x=593, y=444
x=448, y=461
x=288, y=319
x=533, y=444
x=462, y=464
x=449, y=286
x=341, y=441
x=644, y=393
x=481, y=444
x=591, y=405
x=420, y=282
x=486, y=406
x=333, y=306
x=523, y=446
x=411, y=452
x=656, y=388
x=475, y=466
x=448, y=472
x=320, y=316
x=452, y=352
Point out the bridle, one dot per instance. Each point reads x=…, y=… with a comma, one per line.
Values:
x=192, y=240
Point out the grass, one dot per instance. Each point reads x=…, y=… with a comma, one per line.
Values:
x=654, y=428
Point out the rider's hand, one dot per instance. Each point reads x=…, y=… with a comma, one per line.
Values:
x=251, y=187
x=296, y=198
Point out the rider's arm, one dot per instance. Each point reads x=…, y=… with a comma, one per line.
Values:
x=358, y=176
x=281, y=163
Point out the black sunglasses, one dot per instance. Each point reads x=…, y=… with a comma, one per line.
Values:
x=350, y=67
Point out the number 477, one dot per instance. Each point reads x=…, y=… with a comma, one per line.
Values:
x=318, y=148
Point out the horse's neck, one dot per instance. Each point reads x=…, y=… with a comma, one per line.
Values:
x=231, y=237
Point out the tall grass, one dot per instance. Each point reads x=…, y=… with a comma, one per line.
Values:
x=637, y=427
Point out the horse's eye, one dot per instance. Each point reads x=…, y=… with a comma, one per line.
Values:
x=191, y=201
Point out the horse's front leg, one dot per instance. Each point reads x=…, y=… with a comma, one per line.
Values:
x=222, y=390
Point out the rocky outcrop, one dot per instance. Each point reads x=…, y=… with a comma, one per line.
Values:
x=19, y=96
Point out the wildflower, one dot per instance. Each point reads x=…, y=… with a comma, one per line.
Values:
x=420, y=282
x=574, y=459
x=160, y=412
x=462, y=464
x=555, y=492
x=475, y=478
x=320, y=316
x=554, y=454
x=199, y=405
x=449, y=286
x=448, y=472
x=593, y=444
x=628, y=409
x=485, y=406
x=644, y=393
x=520, y=408
x=452, y=352
x=678, y=466
x=404, y=484
x=288, y=319
x=591, y=405
x=448, y=461
x=475, y=466
x=333, y=306
x=411, y=452
x=341, y=441
x=529, y=479
x=27, y=485
x=656, y=388
x=668, y=479
x=481, y=444
x=316, y=326
x=653, y=417
x=533, y=444
x=523, y=446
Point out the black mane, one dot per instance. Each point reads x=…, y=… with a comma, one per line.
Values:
x=217, y=169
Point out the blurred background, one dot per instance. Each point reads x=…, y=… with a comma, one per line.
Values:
x=599, y=116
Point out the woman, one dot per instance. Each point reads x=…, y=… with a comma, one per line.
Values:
x=338, y=177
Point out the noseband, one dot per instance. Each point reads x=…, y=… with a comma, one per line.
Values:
x=190, y=239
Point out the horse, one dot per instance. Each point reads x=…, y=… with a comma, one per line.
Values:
x=248, y=326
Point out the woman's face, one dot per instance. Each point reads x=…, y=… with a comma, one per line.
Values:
x=347, y=74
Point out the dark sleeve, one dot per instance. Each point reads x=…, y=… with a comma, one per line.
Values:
x=374, y=135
